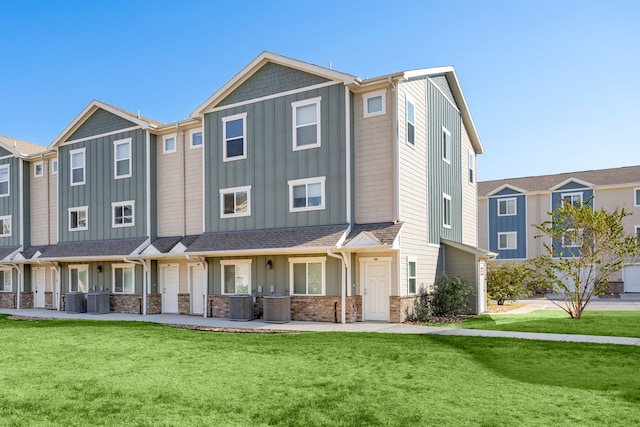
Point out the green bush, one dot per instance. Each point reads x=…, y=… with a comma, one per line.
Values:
x=507, y=282
x=451, y=296
x=421, y=308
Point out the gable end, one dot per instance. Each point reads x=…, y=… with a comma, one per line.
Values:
x=100, y=122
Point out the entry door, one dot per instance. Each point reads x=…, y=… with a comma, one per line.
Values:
x=482, y=286
x=632, y=278
x=38, y=287
x=376, y=291
x=170, y=288
x=196, y=277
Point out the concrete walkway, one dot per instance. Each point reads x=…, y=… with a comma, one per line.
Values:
x=380, y=327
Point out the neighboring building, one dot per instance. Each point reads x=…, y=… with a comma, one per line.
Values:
x=349, y=195
x=508, y=210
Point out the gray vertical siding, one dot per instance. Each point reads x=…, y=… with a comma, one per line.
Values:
x=101, y=189
x=271, y=163
x=153, y=197
x=500, y=224
x=571, y=187
x=10, y=205
x=26, y=203
x=99, y=281
x=443, y=177
x=443, y=85
x=4, y=152
x=100, y=122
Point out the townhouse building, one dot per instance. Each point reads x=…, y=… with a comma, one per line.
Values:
x=508, y=210
x=348, y=195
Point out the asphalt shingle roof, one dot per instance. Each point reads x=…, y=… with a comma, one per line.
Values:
x=7, y=250
x=385, y=232
x=94, y=248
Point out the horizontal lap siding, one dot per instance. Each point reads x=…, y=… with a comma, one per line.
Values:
x=40, y=196
x=483, y=223
x=469, y=195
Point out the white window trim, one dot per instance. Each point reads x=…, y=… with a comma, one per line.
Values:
x=5, y=218
x=7, y=270
x=86, y=215
x=115, y=159
x=413, y=123
x=365, y=98
x=563, y=195
x=84, y=166
x=636, y=197
x=307, y=260
x=113, y=278
x=242, y=116
x=306, y=181
x=412, y=259
x=472, y=167
x=515, y=240
x=636, y=229
x=507, y=200
x=79, y=267
x=575, y=240
x=8, y=168
x=294, y=138
x=115, y=205
x=233, y=262
x=35, y=169
x=164, y=143
x=234, y=190
x=54, y=166
x=446, y=196
x=191, y=133
x=446, y=149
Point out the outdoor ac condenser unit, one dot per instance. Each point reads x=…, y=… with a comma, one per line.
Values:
x=277, y=308
x=241, y=307
x=75, y=302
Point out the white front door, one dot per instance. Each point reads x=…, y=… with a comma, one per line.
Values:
x=196, y=278
x=482, y=287
x=38, y=287
x=632, y=278
x=169, y=275
x=375, y=288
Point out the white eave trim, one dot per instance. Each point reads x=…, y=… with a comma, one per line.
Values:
x=572, y=180
x=506, y=187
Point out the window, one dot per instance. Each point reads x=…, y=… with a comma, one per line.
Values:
x=77, y=166
x=411, y=123
x=123, y=214
x=5, y=226
x=306, y=276
x=508, y=241
x=374, y=103
x=306, y=194
x=638, y=232
x=38, y=169
x=446, y=145
x=234, y=135
x=412, y=275
x=570, y=239
x=446, y=210
x=122, y=158
x=54, y=166
x=78, y=218
x=507, y=207
x=4, y=180
x=169, y=144
x=472, y=166
x=6, y=282
x=306, y=124
x=78, y=278
x=236, y=276
x=235, y=202
x=196, y=138
x=123, y=279
x=573, y=198
x=637, y=193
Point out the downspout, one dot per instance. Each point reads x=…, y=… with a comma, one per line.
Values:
x=343, y=298
x=145, y=272
x=18, y=291
x=205, y=265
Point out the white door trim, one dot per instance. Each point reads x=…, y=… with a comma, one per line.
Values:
x=192, y=297
x=363, y=263
x=163, y=285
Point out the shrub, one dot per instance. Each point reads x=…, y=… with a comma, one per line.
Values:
x=506, y=282
x=451, y=296
x=536, y=284
x=421, y=307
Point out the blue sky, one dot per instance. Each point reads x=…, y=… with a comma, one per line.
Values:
x=552, y=85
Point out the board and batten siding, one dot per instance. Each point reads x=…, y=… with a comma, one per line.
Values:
x=10, y=204
x=469, y=193
x=508, y=223
x=271, y=163
x=101, y=189
x=373, y=163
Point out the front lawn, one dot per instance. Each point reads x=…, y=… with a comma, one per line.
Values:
x=73, y=373
x=608, y=323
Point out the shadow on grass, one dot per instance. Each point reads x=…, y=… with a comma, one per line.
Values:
x=597, y=367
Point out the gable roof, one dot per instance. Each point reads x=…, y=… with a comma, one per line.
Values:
x=374, y=234
x=21, y=148
x=544, y=183
x=259, y=62
x=95, y=105
x=117, y=249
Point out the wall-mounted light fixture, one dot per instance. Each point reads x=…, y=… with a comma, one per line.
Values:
x=269, y=265
x=99, y=269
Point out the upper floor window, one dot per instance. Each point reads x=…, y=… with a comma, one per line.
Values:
x=122, y=158
x=54, y=166
x=235, y=202
x=6, y=282
x=508, y=240
x=123, y=214
x=472, y=165
x=123, y=279
x=637, y=196
x=411, y=123
x=572, y=198
x=4, y=180
x=412, y=278
x=38, y=169
x=79, y=278
x=78, y=218
x=571, y=237
x=306, y=194
x=77, y=166
x=236, y=276
x=306, y=123
x=446, y=145
x=507, y=207
x=306, y=276
x=446, y=210
x=374, y=103
x=5, y=226
x=234, y=137
x=196, y=138
x=169, y=144
x=638, y=232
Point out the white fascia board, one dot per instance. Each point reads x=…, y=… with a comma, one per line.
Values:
x=277, y=251
x=504, y=187
x=569, y=181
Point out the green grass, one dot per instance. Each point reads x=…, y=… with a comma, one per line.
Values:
x=72, y=373
x=608, y=323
